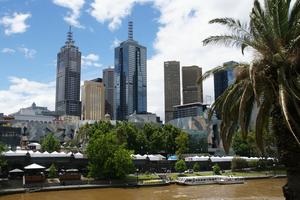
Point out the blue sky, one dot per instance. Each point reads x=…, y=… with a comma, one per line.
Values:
x=32, y=32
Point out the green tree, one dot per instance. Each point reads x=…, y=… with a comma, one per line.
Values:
x=52, y=171
x=180, y=166
x=3, y=162
x=271, y=81
x=245, y=146
x=196, y=167
x=216, y=169
x=107, y=158
x=181, y=143
x=50, y=143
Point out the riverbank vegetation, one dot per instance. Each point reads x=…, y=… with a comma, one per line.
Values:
x=109, y=147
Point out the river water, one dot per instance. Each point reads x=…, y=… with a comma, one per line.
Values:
x=266, y=189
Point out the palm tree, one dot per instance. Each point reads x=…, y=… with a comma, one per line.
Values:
x=271, y=82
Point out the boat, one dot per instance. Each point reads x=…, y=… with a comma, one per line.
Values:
x=204, y=180
x=231, y=180
x=155, y=182
x=197, y=180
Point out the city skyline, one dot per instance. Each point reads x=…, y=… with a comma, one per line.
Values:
x=26, y=63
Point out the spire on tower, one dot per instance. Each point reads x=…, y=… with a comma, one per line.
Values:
x=70, y=36
x=130, y=30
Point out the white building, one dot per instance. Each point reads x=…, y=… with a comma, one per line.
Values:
x=34, y=113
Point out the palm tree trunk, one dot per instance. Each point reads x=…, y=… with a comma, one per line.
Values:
x=289, y=154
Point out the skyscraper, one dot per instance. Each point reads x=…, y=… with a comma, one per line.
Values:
x=172, y=87
x=192, y=92
x=224, y=78
x=92, y=97
x=68, y=79
x=108, y=80
x=130, y=77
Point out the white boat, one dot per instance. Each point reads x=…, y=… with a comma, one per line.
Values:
x=197, y=180
x=204, y=180
x=231, y=180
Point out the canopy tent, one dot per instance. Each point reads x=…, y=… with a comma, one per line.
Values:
x=34, y=166
x=16, y=171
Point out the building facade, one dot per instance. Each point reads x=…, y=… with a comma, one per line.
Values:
x=191, y=91
x=172, y=87
x=93, y=100
x=224, y=78
x=189, y=110
x=130, y=78
x=108, y=81
x=68, y=79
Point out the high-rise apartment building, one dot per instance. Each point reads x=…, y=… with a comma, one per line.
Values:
x=172, y=88
x=224, y=78
x=68, y=79
x=93, y=100
x=130, y=77
x=108, y=81
x=192, y=92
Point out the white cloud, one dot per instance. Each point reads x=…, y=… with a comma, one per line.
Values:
x=28, y=53
x=75, y=7
x=112, y=11
x=90, y=60
x=22, y=92
x=8, y=50
x=115, y=43
x=182, y=27
x=16, y=23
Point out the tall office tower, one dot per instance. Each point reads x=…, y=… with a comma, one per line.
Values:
x=130, y=78
x=93, y=101
x=68, y=79
x=172, y=88
x=108, y=80
x=224, y=78
x=192, y=92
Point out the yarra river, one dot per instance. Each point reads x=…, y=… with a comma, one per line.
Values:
x=267, y=189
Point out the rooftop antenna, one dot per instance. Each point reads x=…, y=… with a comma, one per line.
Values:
x=130, y=30
x=70, y=36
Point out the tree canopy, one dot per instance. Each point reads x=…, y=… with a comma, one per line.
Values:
x=50, y=143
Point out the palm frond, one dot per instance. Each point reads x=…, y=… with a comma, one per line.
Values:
x=288, y=118
x=245, y=109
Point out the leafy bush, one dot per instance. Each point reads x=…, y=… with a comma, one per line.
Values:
x=238, y=163
x=196, y=167
x=252, y=163
x=216, y=169
x=52, y=171
x=263, y=164
x=180, y=166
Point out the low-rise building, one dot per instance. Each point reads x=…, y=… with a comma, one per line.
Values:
x=34, y=113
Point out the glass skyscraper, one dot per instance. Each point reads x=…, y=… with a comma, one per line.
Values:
x=130, y=78
x=68, y=79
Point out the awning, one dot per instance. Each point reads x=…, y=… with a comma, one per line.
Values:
x=34, y=166
x=16, y=171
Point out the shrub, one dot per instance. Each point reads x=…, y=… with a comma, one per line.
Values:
x=263, y=164
x=252, y=163
x=216, y=169
x=196, y=167
x=52, y=171
x=238, y=163
x=180, y=166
